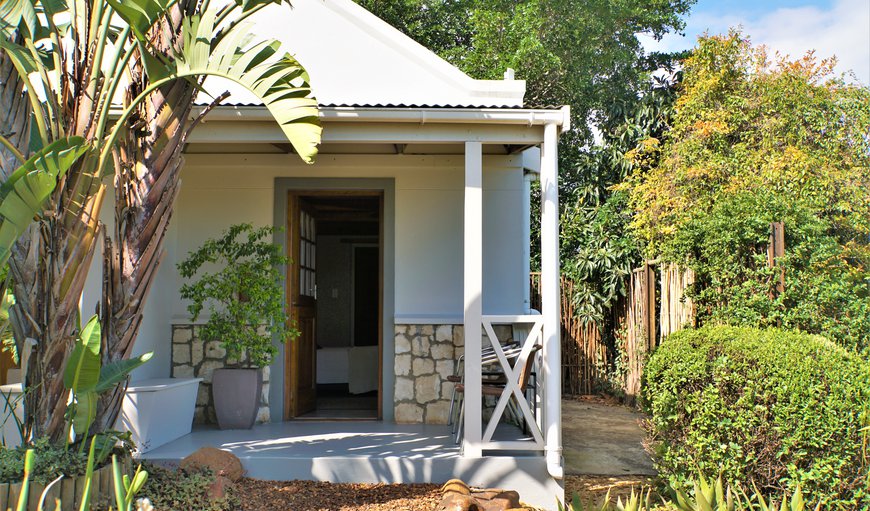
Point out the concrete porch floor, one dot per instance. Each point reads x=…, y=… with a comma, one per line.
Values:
x=369, y=452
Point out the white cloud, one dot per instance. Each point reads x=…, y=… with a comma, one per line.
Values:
x=842, y=30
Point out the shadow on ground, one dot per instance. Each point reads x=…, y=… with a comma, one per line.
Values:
x=603, y=439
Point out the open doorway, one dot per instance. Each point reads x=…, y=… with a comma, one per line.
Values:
x=335, y=290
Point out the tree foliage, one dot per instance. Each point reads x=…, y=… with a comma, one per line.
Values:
x=585, y=54
x=237, y=277
x=757, y=139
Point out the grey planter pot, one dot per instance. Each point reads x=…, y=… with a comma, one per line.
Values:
x=236, y=397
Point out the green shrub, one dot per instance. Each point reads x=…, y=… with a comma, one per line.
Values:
x=772, y=408
x=50, y=461
x=184, y=490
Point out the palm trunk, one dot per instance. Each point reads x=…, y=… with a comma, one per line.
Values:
x=145, y=190
x=50, y=262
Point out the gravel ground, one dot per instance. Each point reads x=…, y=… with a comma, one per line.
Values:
x=259, y=495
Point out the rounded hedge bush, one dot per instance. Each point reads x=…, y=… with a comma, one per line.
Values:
x=767, y=407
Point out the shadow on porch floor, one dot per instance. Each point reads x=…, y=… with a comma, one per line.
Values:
x=367, y=452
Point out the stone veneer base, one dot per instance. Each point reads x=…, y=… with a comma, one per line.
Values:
x=194, y=358
x=425, y=356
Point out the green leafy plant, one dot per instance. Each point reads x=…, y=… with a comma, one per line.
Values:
x=86, y=378
x=186, y=489
x=705, y=495
x=243, y=292
x=773, y=408
x=125, y=488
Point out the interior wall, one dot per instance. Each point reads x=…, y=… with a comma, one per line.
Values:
x=334, y=279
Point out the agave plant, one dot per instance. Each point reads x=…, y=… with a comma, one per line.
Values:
x=68, y=66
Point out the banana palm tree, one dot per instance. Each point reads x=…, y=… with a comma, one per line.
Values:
x=72, y=61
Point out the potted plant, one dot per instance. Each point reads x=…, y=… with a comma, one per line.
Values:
x=237, y=276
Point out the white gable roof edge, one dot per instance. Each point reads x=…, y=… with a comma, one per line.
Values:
x=507, y=89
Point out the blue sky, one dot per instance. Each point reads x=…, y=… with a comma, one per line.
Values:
x=831, y=27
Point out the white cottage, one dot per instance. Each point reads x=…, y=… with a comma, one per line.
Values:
x=411, y=238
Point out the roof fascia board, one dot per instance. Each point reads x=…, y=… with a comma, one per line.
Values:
x=530, y=117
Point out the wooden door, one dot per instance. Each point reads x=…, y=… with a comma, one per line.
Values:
x=300, y=391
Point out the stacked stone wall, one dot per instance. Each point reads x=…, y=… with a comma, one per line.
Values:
x=194, y=358
x=425, y=356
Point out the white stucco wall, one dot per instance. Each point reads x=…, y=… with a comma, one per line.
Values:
x=220, y=190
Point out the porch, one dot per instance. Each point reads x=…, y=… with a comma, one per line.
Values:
x=369, y=452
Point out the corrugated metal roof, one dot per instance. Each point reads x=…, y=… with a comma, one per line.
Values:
x=392, y=105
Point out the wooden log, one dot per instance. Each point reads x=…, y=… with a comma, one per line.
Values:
x=52, y=495
x=34, y=494
x=68, y=494
x=14, y=492
x=4, y=497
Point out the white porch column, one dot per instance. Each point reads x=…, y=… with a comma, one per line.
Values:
x=550, y=300
x=473, y=285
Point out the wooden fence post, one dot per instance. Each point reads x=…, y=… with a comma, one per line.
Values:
x=775, y=250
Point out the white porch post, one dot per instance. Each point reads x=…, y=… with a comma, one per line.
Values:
x=550, y=300
x=473, y=285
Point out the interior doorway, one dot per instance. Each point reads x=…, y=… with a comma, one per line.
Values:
x=335, y=298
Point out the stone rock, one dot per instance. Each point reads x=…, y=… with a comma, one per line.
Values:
x=442, y=351
x=203, y=394
x=214, y=349
x=409, y=413
x=182, y=334
x=220, y=462
x=457, y=496
x=423, y=366
x=437, y=412
x=403, y=344
x=206, y=370
x=459, y=335
x=420, y=346
x=427, y=330
x=447, y=389
x=263, y=415
x=264, y=395
x=444, y=333
x=403, y=365
x=444, y=368
x=456, y=486
x=267, y=373
x=427, y=388
x=196, y=351
x=199, y=416
x=404, y=389
x=219, y=488
x=182, y=371
x=180, y=354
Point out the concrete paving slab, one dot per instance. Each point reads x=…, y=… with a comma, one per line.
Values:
x=602, y=439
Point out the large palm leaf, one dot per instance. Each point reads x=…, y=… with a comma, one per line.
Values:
x=24, y=193
x=144, y=198
x=49, y=265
